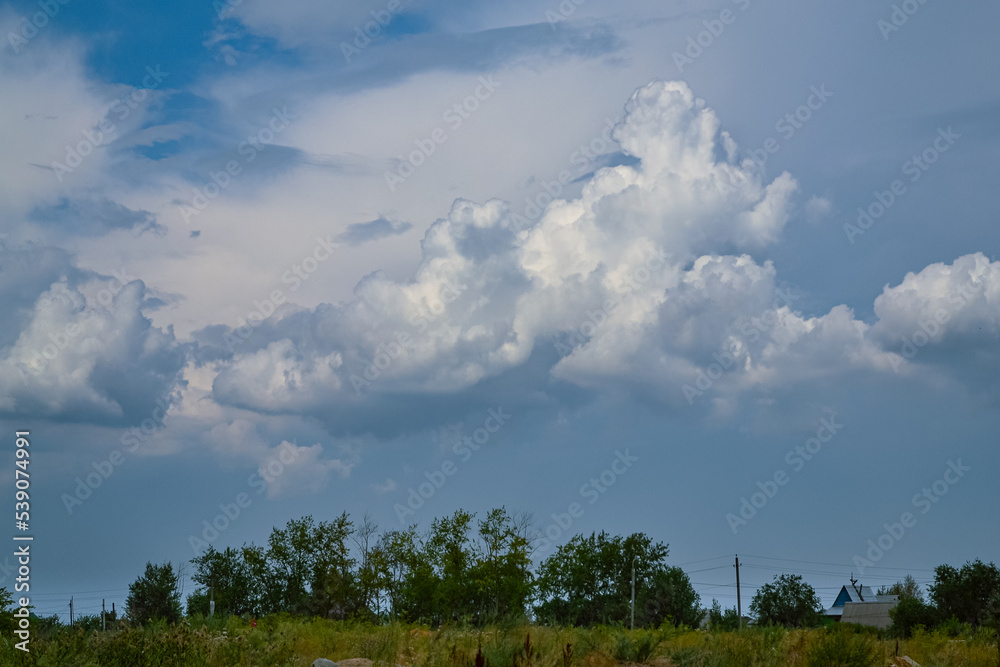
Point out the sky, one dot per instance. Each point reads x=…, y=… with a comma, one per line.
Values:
x=726, y=273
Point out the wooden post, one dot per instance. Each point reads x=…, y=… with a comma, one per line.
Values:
x=739, y=604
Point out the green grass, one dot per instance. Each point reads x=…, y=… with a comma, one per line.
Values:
x=296, y=641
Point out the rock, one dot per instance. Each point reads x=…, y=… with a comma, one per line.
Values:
x=323, y=662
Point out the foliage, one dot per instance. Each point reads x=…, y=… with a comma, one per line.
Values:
x=88, y=622
x=965, y=593
x=313, y=595
x=589, y=579
x=48, y=625
x=454, y=574
x=787, y=601
x=907, y=588
x=7, y=609
x=154, y=595
x=668, y=597
x=282, y=639
x=719, y=620
x=909, y=614
x=502, y=570
x=225, y=577
x=840, y=645
x=462, y=570
x=636, y=648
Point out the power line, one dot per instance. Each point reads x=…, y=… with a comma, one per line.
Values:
x=106, y=590
x=707, y=569
x=703, y=560
x=813, y=562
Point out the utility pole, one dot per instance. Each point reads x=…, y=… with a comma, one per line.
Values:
x=71, y=610
x=739, y=604
x=211, y=601
x=103, y=624
x=633, y=592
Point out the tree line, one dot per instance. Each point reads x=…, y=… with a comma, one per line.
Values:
x=478, y=571
x=959, y=599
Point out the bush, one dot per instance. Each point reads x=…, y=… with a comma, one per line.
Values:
x=954, y=628
x=754, y=647
x=910, y=614
x=154, y=595
x=723, y=620
x=843, y=646
x=638, y=647
x=155, y=645
x=690, y=656
x=788, y=601
x=380, y=645
x=286, y=641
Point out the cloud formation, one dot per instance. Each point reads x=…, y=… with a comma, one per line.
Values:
x=490, y=287
x=627, y=280
x=96, y=360
x=646, y=281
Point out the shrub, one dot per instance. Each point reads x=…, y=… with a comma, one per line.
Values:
x=843, y=646
x=910, y=614
x=638, y=647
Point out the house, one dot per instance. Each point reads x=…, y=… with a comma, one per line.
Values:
x=850, y=593
x=869, y=613
x=860, y=604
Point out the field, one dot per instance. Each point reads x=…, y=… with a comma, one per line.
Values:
x=284, y=640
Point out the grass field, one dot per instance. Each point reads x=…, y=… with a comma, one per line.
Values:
x=284, y=640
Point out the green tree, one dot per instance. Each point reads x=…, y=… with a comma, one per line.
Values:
x=332, y=582
x=502, y=571
x=668, y=596
x=306, y=568
x=788, y=601
x=7, y=609
x=589, y=579
x=50, y=626
x=410, y=579
x=450, y=552
x=226, y=578
x=723, y=621
x=964, y=593
x=266, y=591
x=907, y=588
x=289, y=567
x=154, y=595
x=991, y=618
x=910, y=613
x=370, y=577
x=89, y=622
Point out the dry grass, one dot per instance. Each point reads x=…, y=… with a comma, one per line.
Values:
x=292, y=641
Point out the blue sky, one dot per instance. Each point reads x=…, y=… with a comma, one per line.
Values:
x=251, y=238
